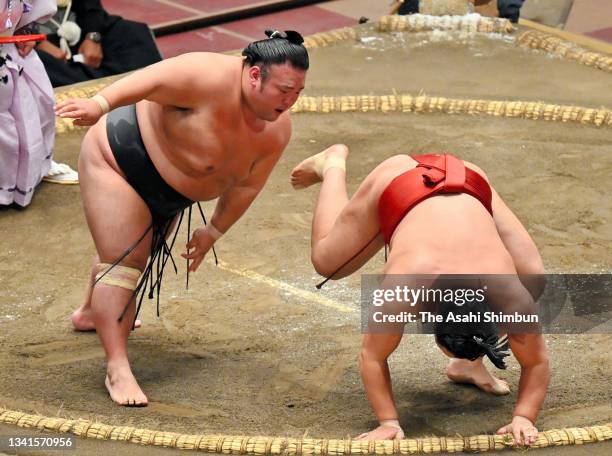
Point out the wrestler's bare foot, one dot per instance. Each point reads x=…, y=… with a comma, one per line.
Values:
x=122, y=385
x=475, y=373
x=311, y=170
x=82, y=319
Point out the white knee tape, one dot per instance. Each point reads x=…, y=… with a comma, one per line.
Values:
x=118, y=276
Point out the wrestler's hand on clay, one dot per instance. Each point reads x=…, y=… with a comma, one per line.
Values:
x=383, y=432
x=85, y=111
x=523, y=430
x=201, y=242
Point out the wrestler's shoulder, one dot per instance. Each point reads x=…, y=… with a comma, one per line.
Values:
x=204, y=58
x=206, y=67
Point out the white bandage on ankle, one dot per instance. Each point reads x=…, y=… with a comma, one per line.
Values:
x=118, y=276
x=103, y=102
x=213, y=231
x=391, y=423
x=334, y=162
x=323, y=163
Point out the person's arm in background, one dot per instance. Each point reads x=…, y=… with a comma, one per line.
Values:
x=94, y=21
x=52, y=50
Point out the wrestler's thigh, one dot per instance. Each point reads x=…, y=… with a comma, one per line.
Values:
x=116, y=215
x=355, y=228
x=358, y=222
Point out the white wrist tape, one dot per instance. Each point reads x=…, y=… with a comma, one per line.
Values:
x=391, y=423
x=103, y=102
x=214, y=232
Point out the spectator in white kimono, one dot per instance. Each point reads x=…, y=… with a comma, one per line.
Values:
x=27, y=121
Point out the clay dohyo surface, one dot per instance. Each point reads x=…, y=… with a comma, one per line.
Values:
x=236, y=354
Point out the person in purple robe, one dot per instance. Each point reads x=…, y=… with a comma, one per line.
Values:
x=27, y=121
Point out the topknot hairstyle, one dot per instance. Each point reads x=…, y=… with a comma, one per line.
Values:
x=278, y=48
x=471, y=340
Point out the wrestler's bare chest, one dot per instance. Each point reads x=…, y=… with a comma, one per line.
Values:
x=201, y=153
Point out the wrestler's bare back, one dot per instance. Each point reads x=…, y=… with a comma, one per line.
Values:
x=445, y=232
x=202, y=145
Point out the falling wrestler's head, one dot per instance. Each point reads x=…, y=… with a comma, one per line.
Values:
x=276, y=71
x=470, y=340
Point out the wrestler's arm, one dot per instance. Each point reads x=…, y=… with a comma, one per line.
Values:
x=523, y=250
x=530, y=351
x=516, y=238
x=375, y=350
x=525, y=255
x=235, y=201
x=177, y=81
